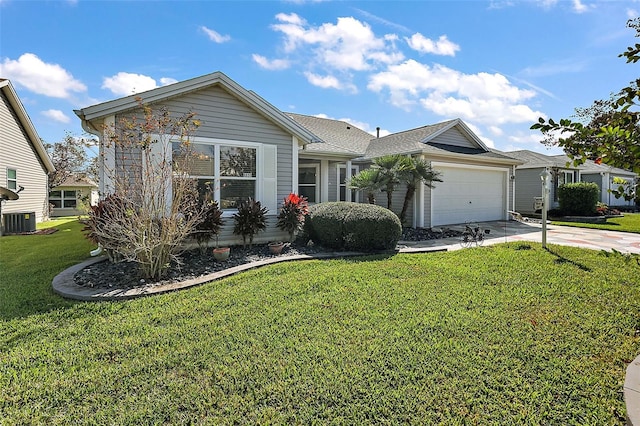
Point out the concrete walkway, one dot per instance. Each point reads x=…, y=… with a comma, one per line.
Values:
x=510, y=231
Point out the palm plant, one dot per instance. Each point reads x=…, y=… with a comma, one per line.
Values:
x=414, y=171
x=367, y=180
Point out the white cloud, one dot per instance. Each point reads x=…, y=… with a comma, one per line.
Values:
x=214, y=35
x=41, y=77
x=522, y=138
x=328, y=82
x=126, y=84
x=483, y=98
x=632, y=13
x=347, y=45
x=273, y=64
x=165, y=81
x=383, y=21
x=547, y=4
x=425, y=45
x=496, y=131
x=56, y=115
x=580, y=7
x=563, y=66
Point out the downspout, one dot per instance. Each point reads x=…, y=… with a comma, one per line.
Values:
x=513, y=188
x=86, y=126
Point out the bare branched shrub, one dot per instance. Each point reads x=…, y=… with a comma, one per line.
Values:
x=155, y=211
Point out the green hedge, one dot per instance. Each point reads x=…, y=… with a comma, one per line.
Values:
x=353, y=226
x=578, y=198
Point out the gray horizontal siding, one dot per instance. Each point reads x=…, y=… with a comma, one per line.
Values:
x=454, y=137
x=528, y=186
x=223, y=116
x=16, y=152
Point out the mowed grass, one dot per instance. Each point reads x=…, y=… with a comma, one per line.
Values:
x=507, y=334
x=630, y=222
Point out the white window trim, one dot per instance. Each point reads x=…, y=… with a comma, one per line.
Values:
x=317, y=182
x=217, y=143
x=350, y=194
x=15, y=181
x=62, y=198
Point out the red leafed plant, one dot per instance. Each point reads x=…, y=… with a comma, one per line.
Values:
x=291, y=216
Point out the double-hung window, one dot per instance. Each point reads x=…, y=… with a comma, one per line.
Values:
x=226, y=172
x=12, y=179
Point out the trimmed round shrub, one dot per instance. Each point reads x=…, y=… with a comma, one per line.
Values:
x=579, y=198
x=353, y=226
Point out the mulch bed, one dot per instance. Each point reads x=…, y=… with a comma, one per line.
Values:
x=194, y=264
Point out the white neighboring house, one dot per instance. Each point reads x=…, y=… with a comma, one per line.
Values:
x=24, y=162
x=73, y=196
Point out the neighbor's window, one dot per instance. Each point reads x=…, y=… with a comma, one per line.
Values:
x=12, y=179
x=230, y=180
x=67, y=199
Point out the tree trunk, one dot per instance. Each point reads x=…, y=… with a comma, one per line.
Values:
x=411, y=189
x=389, y=198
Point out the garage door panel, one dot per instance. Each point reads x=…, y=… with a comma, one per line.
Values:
x=467, y=195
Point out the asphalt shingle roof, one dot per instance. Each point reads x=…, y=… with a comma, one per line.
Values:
x=337, y=136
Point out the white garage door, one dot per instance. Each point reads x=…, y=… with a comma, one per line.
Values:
x=468, y=195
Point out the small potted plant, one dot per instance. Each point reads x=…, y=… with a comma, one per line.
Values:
x=292, y=213
x=250, y=219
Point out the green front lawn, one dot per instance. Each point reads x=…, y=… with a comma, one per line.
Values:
x=630, y=222
x=508, y=334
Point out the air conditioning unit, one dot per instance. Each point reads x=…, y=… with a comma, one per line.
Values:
x=16, y=223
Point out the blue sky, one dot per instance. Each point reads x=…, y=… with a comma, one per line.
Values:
x=498, y=65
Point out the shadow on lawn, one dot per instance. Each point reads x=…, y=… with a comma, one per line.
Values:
x=561, y=259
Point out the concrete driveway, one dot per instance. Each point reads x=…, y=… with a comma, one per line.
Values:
x=510, y=231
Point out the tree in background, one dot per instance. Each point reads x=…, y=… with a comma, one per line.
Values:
x=607, y=132
x=70, y=158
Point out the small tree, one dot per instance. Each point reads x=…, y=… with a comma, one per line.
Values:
x=292, y=214
x=368, y=181
x=414, y=171
x=391, y=169
x=155, y=214
x=609, y=131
